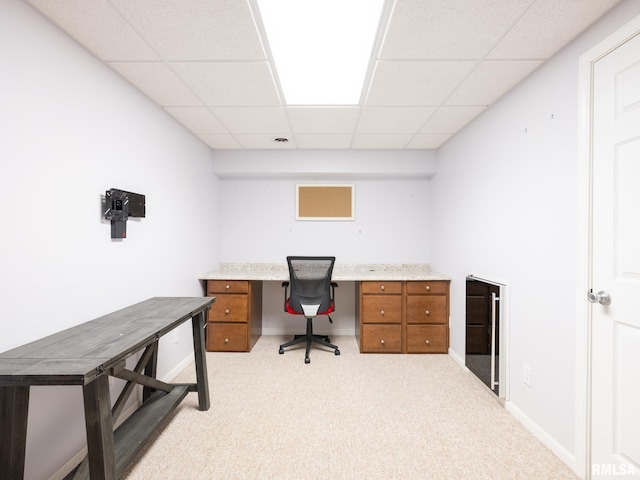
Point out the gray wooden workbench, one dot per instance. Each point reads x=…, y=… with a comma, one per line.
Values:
x=87, y=355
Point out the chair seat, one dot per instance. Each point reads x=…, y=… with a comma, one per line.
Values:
x=290, y=310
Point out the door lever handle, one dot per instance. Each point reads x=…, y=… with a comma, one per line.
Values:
x=602, y=297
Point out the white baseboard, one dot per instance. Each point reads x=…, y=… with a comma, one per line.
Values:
x=173, y=373
x=561, y=452
x=457, y=358
x=74, y=461
x=551, y=443
x=334, y=332
x=78, y=457
x=547, y=440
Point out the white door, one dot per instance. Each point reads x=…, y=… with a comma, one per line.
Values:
x=615, y=355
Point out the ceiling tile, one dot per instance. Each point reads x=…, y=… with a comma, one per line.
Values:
x=99, y=27
x=547, y=26
x=323, y=141
x=197, y=119
x=263, y=142
x=490, y=80
x=393, y=119
x=451, y=119
x=270, y=120
x=323, y=119
x=158, y=81
x=448, y=29
x=428, y=140
x=197, y=29
x=231, y=83
x=413, y=83
x=221, y=142
x=380, y=141
x=438, y=64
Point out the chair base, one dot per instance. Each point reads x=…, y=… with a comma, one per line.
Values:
x=309, y=338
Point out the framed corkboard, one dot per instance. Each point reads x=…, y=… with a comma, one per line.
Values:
x=325, y=202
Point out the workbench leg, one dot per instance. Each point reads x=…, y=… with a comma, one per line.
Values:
x=14, y=409
x=100, y=444
x=151, y=370
x=201, y=360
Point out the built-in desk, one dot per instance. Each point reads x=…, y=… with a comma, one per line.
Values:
x=400, y=308
x=86, y=355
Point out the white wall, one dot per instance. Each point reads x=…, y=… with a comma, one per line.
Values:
x=333, y=163
x=392, y=217
x=504, y=206
x=258, y=224
x=71, y=129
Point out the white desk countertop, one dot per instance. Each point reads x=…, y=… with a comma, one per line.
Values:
x=341, y=272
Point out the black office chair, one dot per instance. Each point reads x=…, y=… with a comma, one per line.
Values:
x=312, y=294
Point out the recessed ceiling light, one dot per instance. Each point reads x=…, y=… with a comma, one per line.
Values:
x=321, y=48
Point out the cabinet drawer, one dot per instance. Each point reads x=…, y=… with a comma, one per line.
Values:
x=227, y=286
x=427, y=339
x=381, y=338
x=381, y=309
x=435, y=287
x=426, y=309
x=223, y=337
x=229, y=308
x=382, y=288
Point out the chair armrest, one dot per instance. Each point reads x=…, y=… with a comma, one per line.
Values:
x=286, y=287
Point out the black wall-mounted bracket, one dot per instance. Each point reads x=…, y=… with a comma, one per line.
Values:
x=119, y=206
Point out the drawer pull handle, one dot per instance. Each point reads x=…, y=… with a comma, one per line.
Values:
x=229, y=286
x=382, y=341
x=426, y=312
x=427, y=341
x=381, y=287
x=381, y=312
x=226, y=340
x=226, y=311
x=427, y=287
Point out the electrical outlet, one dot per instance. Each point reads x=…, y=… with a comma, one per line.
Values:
x=526, y=377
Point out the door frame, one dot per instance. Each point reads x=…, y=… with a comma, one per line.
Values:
x=584, y=243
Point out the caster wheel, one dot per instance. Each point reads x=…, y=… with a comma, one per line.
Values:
x=307, y=360
x=281, y=351
x=337, y=352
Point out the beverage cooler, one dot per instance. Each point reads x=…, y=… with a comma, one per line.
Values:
x=483, y=332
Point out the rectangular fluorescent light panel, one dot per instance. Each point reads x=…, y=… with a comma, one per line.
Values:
x=321, y=48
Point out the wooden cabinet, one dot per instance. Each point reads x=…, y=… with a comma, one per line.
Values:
x=235, y=319
x=427, y=318
x=379, y=308
x=403, y=317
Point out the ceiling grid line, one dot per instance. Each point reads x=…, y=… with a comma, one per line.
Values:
x=137, y=29
x=435, y=66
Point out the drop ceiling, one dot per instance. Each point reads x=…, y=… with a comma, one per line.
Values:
x=435, y=66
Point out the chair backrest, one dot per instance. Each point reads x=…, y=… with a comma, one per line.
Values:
x=310, y=279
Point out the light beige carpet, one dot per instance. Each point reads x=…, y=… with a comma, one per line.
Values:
x=353, y=416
